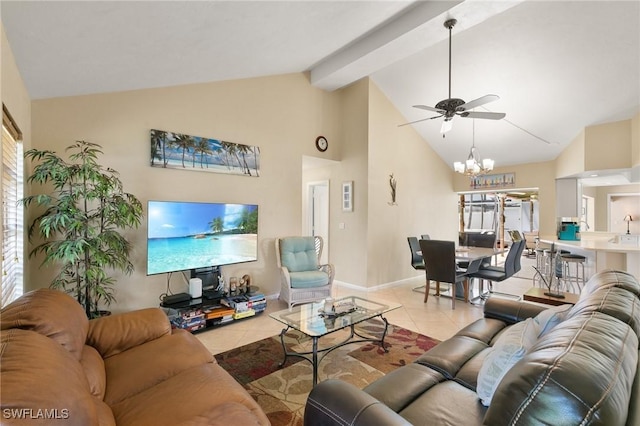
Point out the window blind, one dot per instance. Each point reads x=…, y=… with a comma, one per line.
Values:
x=12, y=214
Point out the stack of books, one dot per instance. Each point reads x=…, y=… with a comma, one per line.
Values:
x=238, y=303
x=244, y=314
x=257, y=302
x=245, y=306
x=190, y=320
x=219, y=315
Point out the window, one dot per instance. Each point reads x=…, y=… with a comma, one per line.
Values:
x=12, y=214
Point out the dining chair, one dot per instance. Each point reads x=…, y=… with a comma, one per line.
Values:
x=485, y=239
x=515, y=237
x=416, y=261
x=501, y=273
x=416, y=258
x=440, y=263
x=532, y=243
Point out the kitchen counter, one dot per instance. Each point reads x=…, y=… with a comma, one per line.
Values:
x=602, y=253
x=595, y=244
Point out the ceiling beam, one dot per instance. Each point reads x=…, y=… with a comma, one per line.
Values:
x=416, y=28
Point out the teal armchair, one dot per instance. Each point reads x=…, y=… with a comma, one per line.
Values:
x=303, y=278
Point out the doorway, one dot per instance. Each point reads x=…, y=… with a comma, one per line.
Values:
x=500, y=211
x=587, y=213
x=318, y=214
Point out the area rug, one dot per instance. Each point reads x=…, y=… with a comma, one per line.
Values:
x=282, y=392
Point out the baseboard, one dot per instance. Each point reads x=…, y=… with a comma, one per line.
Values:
x=384, y=286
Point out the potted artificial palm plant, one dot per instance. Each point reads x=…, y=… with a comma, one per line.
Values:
x=79, y=228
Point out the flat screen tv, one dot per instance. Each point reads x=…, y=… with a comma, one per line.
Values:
x=187, y=236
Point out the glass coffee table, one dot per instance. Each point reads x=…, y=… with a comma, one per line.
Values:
x=311, y=320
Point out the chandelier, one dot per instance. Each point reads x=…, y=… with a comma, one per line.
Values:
x=474, y=166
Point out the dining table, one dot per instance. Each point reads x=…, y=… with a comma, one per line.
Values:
x=473, y=254
x=473, y=257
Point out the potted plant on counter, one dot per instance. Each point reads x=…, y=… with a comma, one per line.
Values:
x=79, y=227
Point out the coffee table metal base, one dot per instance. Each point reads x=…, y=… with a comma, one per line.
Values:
x=312, y=356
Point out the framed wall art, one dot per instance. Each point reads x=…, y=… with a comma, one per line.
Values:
x=171, y=150
x=501, y=180
x=347, y=196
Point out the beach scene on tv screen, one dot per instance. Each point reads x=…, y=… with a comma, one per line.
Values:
x=184, y=236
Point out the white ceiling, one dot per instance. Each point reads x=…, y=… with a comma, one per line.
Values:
x=558, y=66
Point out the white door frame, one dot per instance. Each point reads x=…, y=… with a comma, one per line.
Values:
x=313, y=225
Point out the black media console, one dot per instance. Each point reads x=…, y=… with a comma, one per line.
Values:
x=214, y=309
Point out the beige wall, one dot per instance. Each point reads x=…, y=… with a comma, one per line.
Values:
x=426, y=202
x=349, y=240
x=571, y=159
x=608, y=146
x=282, y=115
x=635, y=140
x=14, y=95
x=13, y=91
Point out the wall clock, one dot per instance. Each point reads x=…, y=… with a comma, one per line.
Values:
x=321, y=143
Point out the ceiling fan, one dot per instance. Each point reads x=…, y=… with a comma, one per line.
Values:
x=451, y=107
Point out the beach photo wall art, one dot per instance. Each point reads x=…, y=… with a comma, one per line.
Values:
x=172, y=150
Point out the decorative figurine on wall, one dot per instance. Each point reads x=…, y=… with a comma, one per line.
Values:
x=392, y=184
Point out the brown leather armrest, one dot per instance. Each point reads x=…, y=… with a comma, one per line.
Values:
x=117, y=333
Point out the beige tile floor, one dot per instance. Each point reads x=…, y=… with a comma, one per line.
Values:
x=434, y=318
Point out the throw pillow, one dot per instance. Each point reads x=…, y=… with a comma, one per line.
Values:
x=510, y=347
x=551, y=317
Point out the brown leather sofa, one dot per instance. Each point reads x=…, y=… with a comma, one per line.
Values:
x=57, y=367
x=582, y=371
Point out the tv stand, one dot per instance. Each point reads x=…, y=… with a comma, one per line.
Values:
x=210, y=276
x=212, y=294
x=214, y=309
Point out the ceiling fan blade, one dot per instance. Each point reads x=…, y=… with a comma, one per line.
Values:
x=418, y=121
x=428, y=108
x=477, y=102
x=481, y=114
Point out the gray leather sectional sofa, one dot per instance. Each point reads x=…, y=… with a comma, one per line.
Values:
x=583, y=370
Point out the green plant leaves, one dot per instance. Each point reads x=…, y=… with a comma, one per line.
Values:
x=80, y=222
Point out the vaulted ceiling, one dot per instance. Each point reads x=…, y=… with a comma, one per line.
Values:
x=558, y=66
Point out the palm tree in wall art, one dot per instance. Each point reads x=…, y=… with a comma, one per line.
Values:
x=184, y=143
x=158, y=143
x=203, y=149
x=169, y=150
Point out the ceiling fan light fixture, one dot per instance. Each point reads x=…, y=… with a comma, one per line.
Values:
x=446, y=126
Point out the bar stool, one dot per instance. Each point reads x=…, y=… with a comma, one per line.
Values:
x=547, y=268
x=569, y=259
x=540, y=266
